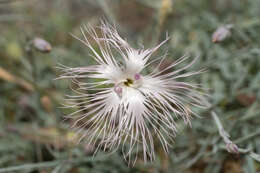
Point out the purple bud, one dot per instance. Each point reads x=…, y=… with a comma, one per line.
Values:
x=221, y=33
x=42, y=45
x=232, y=148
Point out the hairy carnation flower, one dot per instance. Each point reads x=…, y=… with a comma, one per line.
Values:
x=121, y=104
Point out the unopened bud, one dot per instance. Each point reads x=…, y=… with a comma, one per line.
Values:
x=42, y=45
x=221, y=33
x=232, y=148
x=46, y=103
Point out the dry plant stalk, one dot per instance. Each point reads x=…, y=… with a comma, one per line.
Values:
x=5, y=75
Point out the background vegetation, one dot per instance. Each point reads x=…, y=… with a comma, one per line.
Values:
x=32, y=135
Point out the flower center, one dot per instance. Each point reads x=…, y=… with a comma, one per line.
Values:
x=136, y=82
x=128, y=82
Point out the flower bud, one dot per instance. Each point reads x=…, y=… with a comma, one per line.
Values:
x=221, y=33
x=232, y=148
x=42, y=45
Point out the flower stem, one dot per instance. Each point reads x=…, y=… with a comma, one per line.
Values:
x=230, y=145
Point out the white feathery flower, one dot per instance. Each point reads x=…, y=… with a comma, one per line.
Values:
x=120, y=105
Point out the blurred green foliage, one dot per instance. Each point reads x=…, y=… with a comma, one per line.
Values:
x=32, y=135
